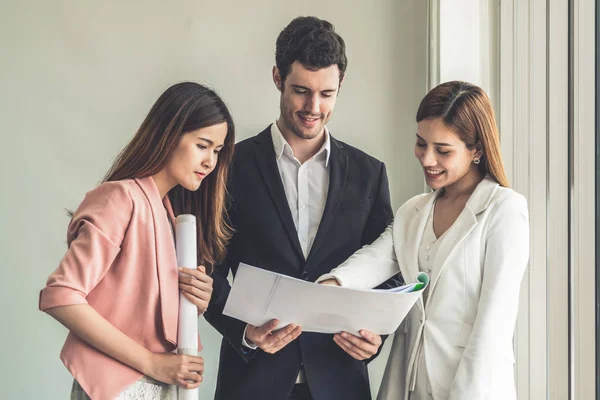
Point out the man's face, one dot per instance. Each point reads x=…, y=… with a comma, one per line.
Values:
x=307, y=99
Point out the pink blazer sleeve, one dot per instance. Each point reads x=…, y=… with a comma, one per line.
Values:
x=94, y=239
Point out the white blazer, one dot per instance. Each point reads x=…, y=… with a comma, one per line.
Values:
x=469, y=320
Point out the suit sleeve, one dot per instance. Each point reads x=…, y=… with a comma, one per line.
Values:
x=381, y=214
x=505, y=261
x=232, y=329
x=380, y=218
x=94, y=237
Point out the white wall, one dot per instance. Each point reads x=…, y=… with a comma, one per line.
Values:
x=76, y=80
x=468, y=43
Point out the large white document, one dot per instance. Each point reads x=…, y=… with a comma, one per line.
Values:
x=258, y=296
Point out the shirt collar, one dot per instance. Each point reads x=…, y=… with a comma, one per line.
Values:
x=280, y=144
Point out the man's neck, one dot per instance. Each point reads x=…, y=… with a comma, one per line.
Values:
x=303, y=149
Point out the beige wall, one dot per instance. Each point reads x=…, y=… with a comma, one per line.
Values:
x=76, y=80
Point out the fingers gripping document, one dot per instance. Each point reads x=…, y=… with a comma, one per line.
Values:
x=257, y=296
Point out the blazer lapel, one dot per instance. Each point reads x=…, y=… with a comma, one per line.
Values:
x=462, y=227
x=267, y=164
x=166, y=258
x=338, y=168
x=415, y=231
x=459, y=230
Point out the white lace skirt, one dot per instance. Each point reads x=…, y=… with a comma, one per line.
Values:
x=144, y=389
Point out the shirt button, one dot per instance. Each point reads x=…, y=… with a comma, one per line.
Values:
x=304, y=275
x=427, y=270
x=427, y=257
x=302, y=206
x=428, y=247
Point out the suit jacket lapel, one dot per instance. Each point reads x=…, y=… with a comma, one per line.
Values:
x=267, y=164
x=462, y=227
x=459, y=230
x=166, y=258
x=413, y=239
x=338, y=169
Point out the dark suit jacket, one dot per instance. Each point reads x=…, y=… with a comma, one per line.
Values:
x=357, y=211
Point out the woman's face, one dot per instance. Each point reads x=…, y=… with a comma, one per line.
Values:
x=444, y=157
x=196, y=156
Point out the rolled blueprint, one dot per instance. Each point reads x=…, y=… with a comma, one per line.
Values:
x=187, y=334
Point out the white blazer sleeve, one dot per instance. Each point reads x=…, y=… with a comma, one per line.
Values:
x=368, y=267
x=505, y=261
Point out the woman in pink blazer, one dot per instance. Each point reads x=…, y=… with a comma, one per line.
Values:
x=117, y=287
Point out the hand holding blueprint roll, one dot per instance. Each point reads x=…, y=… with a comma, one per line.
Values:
x=257, y=296
x=187, y=333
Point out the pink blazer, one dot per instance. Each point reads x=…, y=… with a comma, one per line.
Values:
x=121, y=260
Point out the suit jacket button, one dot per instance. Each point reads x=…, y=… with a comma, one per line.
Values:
x=304, y=275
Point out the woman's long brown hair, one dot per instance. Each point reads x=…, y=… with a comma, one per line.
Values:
x=466, y=110
x=182, y=108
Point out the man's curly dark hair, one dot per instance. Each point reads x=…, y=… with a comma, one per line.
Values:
x=312, y=42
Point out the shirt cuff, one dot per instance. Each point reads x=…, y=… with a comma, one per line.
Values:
x=329, y=276
x=247, y=342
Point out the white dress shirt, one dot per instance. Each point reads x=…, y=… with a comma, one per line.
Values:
x=306, y=186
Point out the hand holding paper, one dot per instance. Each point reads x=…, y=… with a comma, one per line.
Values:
x=258, y=296
x=270, y=340
x=360, y=347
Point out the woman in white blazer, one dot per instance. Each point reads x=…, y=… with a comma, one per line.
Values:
x=470, y=234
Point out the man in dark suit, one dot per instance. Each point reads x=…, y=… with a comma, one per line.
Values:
x=302, y=203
